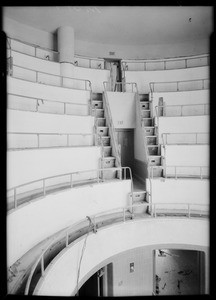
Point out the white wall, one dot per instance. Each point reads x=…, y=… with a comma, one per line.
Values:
x=182, y=125
x=28, y=165
x=37, y=220
x=41, y=91
x=123, y=109
x=142, y=78
x=179, y=191
x=186, y=155
x=23, y=121
x=61, y=276
x=181, y=98
x=96, y=76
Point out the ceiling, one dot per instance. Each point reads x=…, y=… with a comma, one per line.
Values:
x=120, y=25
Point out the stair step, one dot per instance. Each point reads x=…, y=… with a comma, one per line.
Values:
x=149, y=130
x=108, y=174
x=148, y=121
x=107, y=151
x=153, y=149
x=108, y=162
x=155, y=160
x=97, y=96
x=144, y=105
x=102, y=130
x=157, y=172
x=101, y=122
x=151, y=140
x=97, y=104
x=146, y=113
x=144, y=97
x=99, y=112
x=106, y=140
x=139, y=196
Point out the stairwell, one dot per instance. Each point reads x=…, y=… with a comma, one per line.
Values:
x=103, y=138
x=151, y=131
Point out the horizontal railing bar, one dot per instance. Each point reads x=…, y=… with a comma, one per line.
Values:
x=69, y=230
x=51, y=133
x=72, y=78
x=66, y=174
x=48, y=100
x=33, y=45
x=180, y=105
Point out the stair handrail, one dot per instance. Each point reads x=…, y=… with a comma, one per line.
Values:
x=111, y=128
x=87, y=83
x=96, y=225
x=197, y=167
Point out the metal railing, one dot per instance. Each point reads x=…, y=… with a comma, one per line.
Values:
x=177, y=110
x=35, y=47
x=92, y=63
x=179, y=85
x=114, y=142
x=96, y=175
x=195, y=138
x=97, y=221
x=120, y=86
x=51, y=134
x=165, y=63
x=39, y=102
x=181, y=171
x=85, y=84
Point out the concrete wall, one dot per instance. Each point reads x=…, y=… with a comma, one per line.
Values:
x=61, y=276
x=143, y=78
x=179, y=191
x=31, y=223
x=28, y=165
x=123, y=109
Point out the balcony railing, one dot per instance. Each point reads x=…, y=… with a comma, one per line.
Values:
x=32, y=140
x=166, y=63
x=177, y=86
x=41, y=187
x=97, y=221
x=197, y=138
x=49, y=79
x=182, y=110
x=38, y=104
x=130, y=87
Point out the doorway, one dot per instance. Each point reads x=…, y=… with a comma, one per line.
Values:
x=125, y=138
x=114, y=65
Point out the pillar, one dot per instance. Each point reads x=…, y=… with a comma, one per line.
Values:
x=65, y=41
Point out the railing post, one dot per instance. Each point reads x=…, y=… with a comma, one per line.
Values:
x=64, y=108
x=38, y=139
x=177, y=86
x=188, y=210
x=71, y=180
x=66, y=242
x=154, y=205
x=35, y=51
x=36, y=76
x=123, y=214
x=196, y=137
x=186, y=63
x=152, y=173
x=164, y=65
x=201, y=176
x=202, y=84
x=67, y=139
x=175, y=173
x=44, y=188
x=15, y=199
x=98, y=175
x=37, y=105
x=42, y=266
x=181, y=110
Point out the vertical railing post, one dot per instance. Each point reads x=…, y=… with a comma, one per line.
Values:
x=154, y=205
x=37, y=104
x=36, y=76
x=175, y=173
x=202, y=84
x=42, y=266
x=66, y=242
x=196, y=138
x=64, y=108
x=98, y=175
x=123, y=214
x=71, y=180
x=177, y=86
x=35, y=51
x=44, y=188
x=186, y=63
x=67, y=139
x=38, y=140
x=144, y=66
x=201, y=176
x=188, y=210
x=152, y=173
x=181, y=110
x=164, y=65
x=15, y=199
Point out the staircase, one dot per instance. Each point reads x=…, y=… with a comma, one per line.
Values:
x=107, y=160
x=154, y=151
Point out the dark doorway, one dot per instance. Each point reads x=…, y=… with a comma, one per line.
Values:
x=114, y=65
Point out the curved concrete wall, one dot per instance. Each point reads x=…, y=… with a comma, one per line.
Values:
x=61, y=276
x=31, y=223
